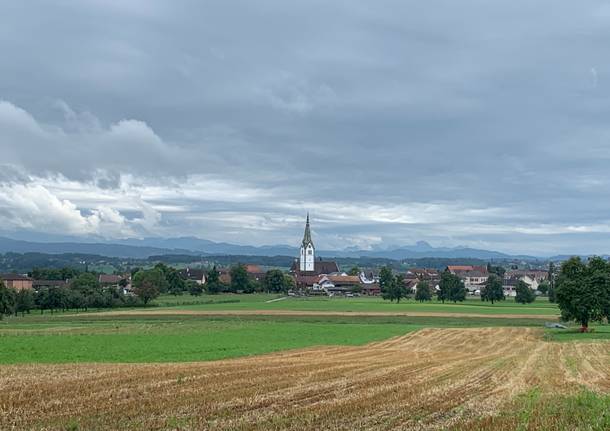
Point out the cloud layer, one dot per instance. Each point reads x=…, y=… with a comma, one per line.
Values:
x=463, y=123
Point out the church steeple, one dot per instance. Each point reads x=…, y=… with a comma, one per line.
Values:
x=308, y=251
x=307, y=236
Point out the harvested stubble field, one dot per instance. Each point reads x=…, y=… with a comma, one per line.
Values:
x=429, y=379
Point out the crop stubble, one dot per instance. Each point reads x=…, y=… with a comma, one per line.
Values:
x=430, y=379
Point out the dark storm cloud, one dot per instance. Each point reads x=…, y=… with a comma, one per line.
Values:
x=458, y=122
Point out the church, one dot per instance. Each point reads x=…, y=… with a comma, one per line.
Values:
x=307, y=268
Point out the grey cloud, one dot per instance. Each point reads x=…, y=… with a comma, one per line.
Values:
x=320, y=104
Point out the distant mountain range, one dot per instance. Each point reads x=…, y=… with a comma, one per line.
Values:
x=144, y=248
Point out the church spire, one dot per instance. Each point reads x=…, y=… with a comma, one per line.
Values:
x=307, y=236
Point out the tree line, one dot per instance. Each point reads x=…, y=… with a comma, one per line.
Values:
x=450, y=288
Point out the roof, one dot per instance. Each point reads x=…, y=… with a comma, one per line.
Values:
x=452, y=268
x=253, y=269
x=320, y=267
x=307, y=280
x=468, y=270
x=307, y=235
x=110, y=278
x=344, y=279
x=48, y=283
x=192, y=274
x=14, y=277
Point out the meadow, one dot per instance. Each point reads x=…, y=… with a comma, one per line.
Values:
x=359, y=304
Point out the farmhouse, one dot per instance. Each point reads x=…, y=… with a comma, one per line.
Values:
x=16, y=281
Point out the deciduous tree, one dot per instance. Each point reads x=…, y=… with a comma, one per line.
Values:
x=275, y=281
x=451, y=288
x=24, y=301
x=212, y=282
x=239, y=279
x=176, y=284
x=493, y=289
x=583, y=290
x=524, y=295
x=148, y=284
x=423, y=291
x=7, y=300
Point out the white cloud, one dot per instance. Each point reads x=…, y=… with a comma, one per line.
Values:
x=84, y=149
x=34, y=207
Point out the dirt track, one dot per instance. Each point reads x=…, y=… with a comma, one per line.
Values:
x=177, y=312
x=429, y=379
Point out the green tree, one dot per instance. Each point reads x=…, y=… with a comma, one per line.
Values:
x=194, y=288
x=240, y=282
x=552, y=296
x=497, y=270
x=275, y=281
x=493, y=289
x=176, y=284
x=355, y=270
x=289, y=282
x=386, y=279
x=525, y=295
x=86, y=283
x=7, y=300
x=212, y=282
x=451, y=288
x=24, y=301
x=148, y=284
x=423, y=292
x=543, y=287
x=394, y=289
x=583, y=291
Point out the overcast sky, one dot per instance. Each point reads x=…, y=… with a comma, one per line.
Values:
x=474, y=123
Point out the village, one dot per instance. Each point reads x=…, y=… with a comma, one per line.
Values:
x=311, y=275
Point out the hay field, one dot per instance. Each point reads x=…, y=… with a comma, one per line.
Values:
x=429, y=379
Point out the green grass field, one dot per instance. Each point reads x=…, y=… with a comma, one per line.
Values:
x=95, y=337
x=359, y=304
x=56, y=340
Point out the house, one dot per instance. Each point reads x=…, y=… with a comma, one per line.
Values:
x=16, y=281
x=42, y=284
x=371, y=289
x=532, y=278
x=196, y=275
x=255, y=273
x=110, y=279
x=347, y=281
x=422, y=274
x=474, y=277
x=333, y=284
x=512, y=278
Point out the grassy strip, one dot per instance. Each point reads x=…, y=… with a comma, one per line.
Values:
x=363, y=304
x=584, y=410
x=600, y=332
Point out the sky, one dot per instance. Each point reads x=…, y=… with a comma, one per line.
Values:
x=470, y=123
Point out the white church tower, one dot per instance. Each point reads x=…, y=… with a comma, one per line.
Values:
x=308, y=251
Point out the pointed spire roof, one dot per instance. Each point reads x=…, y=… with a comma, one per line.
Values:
x=307, y=236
